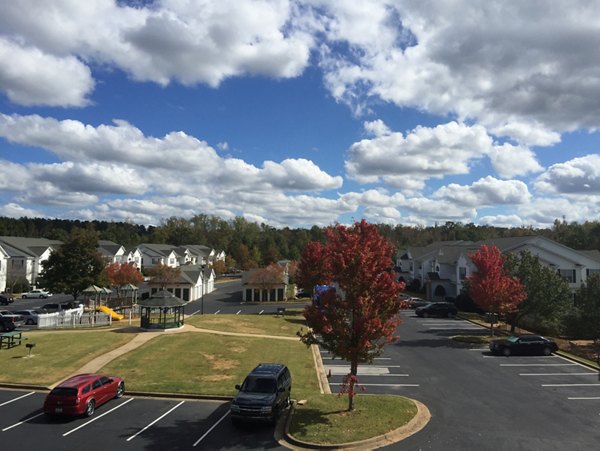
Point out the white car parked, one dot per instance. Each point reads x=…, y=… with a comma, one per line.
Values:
x=40, y=294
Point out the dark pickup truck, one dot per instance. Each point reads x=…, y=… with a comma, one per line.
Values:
x=6, y=317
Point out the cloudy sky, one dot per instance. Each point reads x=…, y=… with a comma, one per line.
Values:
x=301, y=112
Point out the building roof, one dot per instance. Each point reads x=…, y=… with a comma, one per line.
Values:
x=162, y=298
x=27, y=247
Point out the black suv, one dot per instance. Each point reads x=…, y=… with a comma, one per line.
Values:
x=445, y=309
x=264, y=394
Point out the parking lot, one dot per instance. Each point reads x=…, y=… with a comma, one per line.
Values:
x=479, y=401
x=127, y=423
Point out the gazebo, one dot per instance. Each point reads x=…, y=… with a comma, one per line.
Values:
x=163, y=310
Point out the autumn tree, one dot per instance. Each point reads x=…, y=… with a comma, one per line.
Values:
x=75, y=265
x=119, y=275
x=311, y=269
x=491, y=287
x=267, y=278
x=360, y=317
x=164, y=275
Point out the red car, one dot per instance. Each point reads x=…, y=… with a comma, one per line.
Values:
x=81, y=394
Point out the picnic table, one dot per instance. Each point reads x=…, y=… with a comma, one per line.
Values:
x=11, y=339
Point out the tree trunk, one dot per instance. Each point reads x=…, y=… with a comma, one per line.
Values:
x=353, y=372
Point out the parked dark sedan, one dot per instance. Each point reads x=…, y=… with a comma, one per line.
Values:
x=443, y=309
x=5, y=299
x=523, y=345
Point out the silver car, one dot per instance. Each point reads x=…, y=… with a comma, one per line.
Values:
x=31, y=316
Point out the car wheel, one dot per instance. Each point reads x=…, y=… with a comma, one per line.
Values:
x=120, y=389
x=24, y=296
x=29, y=322
x=506, y=352
x=89, y=409
x=547, y=351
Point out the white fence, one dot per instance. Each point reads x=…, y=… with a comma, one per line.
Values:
x=73, y=318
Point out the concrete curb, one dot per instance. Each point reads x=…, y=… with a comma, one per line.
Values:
x=420, y=420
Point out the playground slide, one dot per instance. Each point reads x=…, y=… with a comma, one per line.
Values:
x=115, y=316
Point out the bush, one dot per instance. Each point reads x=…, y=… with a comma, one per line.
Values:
x=576, y=326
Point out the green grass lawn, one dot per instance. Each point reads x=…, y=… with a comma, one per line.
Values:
x=56, y=354
x=286, y=325
x=206, y=364
x=325, y=419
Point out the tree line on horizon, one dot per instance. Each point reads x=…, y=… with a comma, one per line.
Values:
x=250, y=245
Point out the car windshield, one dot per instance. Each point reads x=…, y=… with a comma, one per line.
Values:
x=513, y=339
x=259, y=385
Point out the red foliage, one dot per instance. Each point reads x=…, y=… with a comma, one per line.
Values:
x=122, y=274
x=357, y=319
x=491, y=288
x=311, y=267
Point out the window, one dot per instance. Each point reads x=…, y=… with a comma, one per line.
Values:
x=105, y=380
x=86, y=389
x=462, y=273
x=96, y=384
x=592, y=271
x=568, y=275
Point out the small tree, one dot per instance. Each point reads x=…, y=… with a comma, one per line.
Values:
x=164, y=275
x=267, y=278
x=74, y=266
x=588, y=304
x=360, y=317
x=491, y=288
x=119, y=275
x=548, y=294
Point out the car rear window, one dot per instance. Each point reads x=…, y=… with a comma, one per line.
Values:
x=64, y=391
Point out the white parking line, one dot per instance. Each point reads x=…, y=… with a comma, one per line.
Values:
x=155, y=421
x=558, y=374
x=381, y=385
x=217, y=312
x=579, y=398
x=238, y=312
x=98, y=417
x=21, y=422
x=261, y=312
x=197, y=311
x=538, y=364
x=16, y=399
x=478, y=349
x=213, y=426
x=570, y=385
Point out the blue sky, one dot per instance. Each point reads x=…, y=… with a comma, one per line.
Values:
x=296, y=113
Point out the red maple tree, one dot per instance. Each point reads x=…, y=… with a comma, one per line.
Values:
x=119, y=275
x=311, y=269
x=491, y=288
x=357, y=319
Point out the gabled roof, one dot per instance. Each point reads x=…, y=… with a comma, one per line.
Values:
x=109, y=248
x=161, y=250
x=27, y=247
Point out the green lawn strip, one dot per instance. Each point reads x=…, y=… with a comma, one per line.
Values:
x=205, y=364
x=286, y=325
x=579, y=359
x=325, y=419
x=56, y=355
